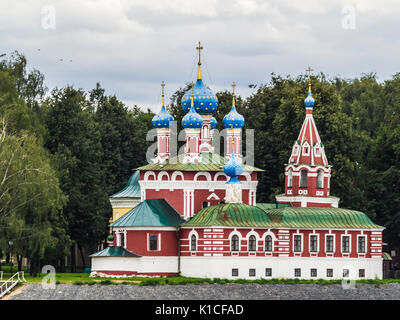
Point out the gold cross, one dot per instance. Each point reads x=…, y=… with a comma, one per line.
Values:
x=162, y=88
x=233, y=93
x=309, y=78
x=199, y=48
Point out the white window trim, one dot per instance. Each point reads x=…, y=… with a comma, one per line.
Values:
x=301, y=244
x=252, y=233
x=237, y=233
x=309, y=243
x=290, y=178
x=365, y=244
x=341, y=243
x=304, y=147
x=323, y=178
x=272, y=240
x=334, y=244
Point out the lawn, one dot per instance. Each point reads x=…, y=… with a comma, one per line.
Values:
x=84, y=279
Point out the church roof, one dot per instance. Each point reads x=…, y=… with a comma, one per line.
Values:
x=112, y=251
x=242, y=215
x=209, y=162
x=150, y=213
x=131, y=190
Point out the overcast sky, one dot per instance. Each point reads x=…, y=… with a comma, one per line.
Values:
x=130, y=46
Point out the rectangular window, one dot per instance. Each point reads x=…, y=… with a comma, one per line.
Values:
x=329, y=273
x=235, y=272
x=345, y=273
x=329, y=243
x=268, y=272
x=361, y=273
x=297, y=243
x=297, y=272
x=313, y=243
x=345, y=244
x=252, y=272
x=313, y=272
x=361, y=244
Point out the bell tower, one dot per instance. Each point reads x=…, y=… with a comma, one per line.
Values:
x=308, y=174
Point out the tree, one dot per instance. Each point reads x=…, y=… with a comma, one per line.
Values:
x=74, y=139
x=30, y=199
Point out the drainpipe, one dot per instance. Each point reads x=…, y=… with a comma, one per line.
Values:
x=178, y=238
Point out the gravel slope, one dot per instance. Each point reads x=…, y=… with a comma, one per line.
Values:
x=209, y=292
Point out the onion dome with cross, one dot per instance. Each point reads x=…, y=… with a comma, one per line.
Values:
x=162, y=119
x=205, y=101
x=233, y=119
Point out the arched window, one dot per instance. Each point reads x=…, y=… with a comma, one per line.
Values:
x=303, y=178
x=205, y=204
x=320, y=179
x=252, y=243
x=193, y=243
x=290, y=178
x=153, y=243
x=268, y=243
x=235, y=243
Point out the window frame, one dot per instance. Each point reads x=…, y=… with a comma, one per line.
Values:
x=152, y=241
x=271, y=244
x=313, y=270
x=317, y=243
x=364, y=244
x=191, y=242
x=333, y=243
x=232, y=243
x=349, y=243
x=251, y=270
x=250, y=242
x=320, y=183
x=294, y=243
x=301, y=180
x=290, y=178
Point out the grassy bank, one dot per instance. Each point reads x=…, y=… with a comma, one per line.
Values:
x=85, y=279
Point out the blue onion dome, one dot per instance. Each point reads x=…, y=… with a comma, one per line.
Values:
x=233, y=119
x=162, y=119
x=192, y=120
x=213, y=123
x=233, y=168
x=205, y=102
x=309, y=101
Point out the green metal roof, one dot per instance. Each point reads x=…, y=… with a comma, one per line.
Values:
x=268, y=206
x=150, y=213
x=132, y=189
x=209, y=162
x=230, y=214
x=242, y=215
x=112, y=251
x=314, y=217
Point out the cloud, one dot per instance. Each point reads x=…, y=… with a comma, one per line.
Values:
x=131, y=46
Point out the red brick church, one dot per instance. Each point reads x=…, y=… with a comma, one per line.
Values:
x=197, y=214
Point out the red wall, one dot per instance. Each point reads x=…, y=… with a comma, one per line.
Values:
x=137, y=242
x=185, y=242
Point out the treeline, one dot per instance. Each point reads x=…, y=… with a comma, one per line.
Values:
x=63, y=152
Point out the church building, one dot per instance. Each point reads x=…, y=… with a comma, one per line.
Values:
x=197, y=214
